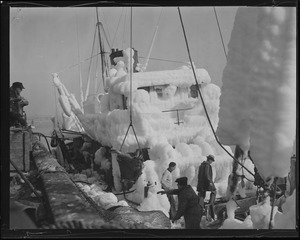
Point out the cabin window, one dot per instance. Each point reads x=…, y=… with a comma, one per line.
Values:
x=158, y=91
x=145, y=88
x=194, y=91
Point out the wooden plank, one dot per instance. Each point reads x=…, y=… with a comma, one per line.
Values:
x=64, y=200
x=20, y=147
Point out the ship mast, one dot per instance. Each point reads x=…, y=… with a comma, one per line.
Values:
x=101, y=50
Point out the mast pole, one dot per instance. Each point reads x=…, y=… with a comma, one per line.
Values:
x=101, y=49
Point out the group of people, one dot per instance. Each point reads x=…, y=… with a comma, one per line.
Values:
x=17, y=102
x=190, y=205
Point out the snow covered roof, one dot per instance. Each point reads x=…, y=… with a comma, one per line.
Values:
x=179, y=77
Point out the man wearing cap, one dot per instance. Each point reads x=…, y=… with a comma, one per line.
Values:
x=205, y=183
x=188, y=204
x=17, y=102
x=166, y=184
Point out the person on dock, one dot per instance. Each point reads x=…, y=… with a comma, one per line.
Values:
x=17, y=102
x=166, y=184
x=205, y=183
x=188, y=204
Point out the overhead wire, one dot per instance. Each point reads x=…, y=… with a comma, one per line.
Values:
x=56, y=110
x=100, y=44
x=117, y=27
x=152, y=42
x=104, y=19
x=131, y=65
x=74, y=65
x=90, y=65
x=204, y=106
x=164, y=60
x=124, y=27
x=220, y=33
x=79, y=69
x=130, y=93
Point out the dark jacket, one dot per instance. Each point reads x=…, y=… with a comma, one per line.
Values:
x=188, y=207
x=205, y=182
x=17, y=102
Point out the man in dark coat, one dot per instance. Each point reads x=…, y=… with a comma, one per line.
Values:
x=205, y=183
x=188, y=204
x=17, y=102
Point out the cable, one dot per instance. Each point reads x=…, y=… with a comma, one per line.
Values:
x=74, y=65
x=55, y=100
x=208, y=118
x=220, y=33
x=101, y=47
x=131, y=71
x=106, y=25
x=165, y=60
x=78, y=55
x=90, y=65
x=117, y=27
x=131, y=65
x=124, y=28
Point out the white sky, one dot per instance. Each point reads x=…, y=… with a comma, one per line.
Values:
x=44, y=40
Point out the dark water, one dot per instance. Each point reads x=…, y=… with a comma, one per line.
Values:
x=44, y=125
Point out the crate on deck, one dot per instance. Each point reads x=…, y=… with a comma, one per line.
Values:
x=20, y=147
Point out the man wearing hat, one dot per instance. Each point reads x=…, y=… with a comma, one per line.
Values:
x=188, y=204
x=17, y=102
x=205, y=183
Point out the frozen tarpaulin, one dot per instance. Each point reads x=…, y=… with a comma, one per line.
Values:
x=131, y=169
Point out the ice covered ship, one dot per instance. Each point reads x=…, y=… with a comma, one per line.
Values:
x=172, y=115
x=146, y=119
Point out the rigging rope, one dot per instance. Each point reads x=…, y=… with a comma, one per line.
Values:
x=105, y=23
x=131, y=65
x=152, y=42
x=130, y=93
x=220, y=33
x=55, y=99
x=208, y=118
x=80, y=77
x=89, y=74
x=165, y=60
x=101, y=48
x=117, y=27
x=97, y=83
x=124, y=28
x=108, y=41
x=74, y=65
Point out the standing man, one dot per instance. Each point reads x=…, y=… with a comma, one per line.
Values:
x=17, y=102
x=205, y=183
x=188, y=204
x=166, y=183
